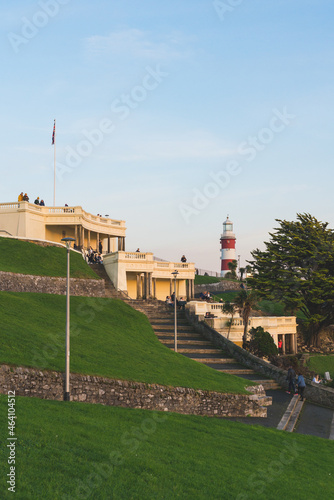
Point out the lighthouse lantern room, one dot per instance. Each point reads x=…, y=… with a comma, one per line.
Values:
x=227, y=241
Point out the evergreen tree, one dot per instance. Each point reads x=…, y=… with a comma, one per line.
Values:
x=297, y=269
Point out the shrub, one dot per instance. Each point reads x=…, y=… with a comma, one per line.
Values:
x=261, y=343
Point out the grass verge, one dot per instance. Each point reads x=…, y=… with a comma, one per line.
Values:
x=205, y=280
x=29, y=258
x=108, y=338
x=322, y=364
x=78, y=451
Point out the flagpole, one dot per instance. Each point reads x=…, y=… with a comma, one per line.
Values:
x=54, y=168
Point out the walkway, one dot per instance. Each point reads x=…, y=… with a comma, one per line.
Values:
x=308, y=419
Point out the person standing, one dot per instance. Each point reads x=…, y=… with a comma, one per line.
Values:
x=301, y=386
x=280, y=346
x=291, y=379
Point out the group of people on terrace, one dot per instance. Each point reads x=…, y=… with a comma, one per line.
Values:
x=205, y=296
x=93, y=256
x=25, y=197
x=180, y=303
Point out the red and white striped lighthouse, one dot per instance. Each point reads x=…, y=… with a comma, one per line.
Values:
x=227, y=241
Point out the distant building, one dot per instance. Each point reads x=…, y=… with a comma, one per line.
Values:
x=136, y=273
x=282, y=328
x=227, y=242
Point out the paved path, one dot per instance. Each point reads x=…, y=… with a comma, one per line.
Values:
x=315, y=421
x=276, y=411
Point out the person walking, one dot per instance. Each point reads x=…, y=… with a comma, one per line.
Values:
x=301, y=386
x=291, y=379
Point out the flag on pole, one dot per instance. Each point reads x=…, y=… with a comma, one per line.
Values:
x=53, y=133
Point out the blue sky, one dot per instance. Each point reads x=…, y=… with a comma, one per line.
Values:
x=171, y=115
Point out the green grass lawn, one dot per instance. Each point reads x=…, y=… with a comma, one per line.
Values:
x=322, y=364
x=28, y=258
x=226, y=296
x=205, y=280
x=77, y=451
x=108, y=338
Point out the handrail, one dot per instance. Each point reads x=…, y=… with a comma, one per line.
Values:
x=62, y=210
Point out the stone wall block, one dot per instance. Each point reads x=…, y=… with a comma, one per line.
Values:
x=50, y=385
x=12, y=282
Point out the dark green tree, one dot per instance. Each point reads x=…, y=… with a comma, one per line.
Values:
x=245, y=301
x=297, y=269
x=261, y=342
x=233, y=268
x=242, y=272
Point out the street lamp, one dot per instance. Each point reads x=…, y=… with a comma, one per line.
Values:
x=175, y=273
x=67, y=345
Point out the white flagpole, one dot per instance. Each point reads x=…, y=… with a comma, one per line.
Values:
x=54, y=168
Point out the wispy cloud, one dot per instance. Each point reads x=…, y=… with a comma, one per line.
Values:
x=194, y=145
x=138, y=44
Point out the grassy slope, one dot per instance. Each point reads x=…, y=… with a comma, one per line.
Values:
x=205, y=280
x=76, y=450
x=28, y=258
x=108, y=338
x=322, y=364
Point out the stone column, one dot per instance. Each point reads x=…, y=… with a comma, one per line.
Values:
x=139, y=294
x=97, y=241
x=188, y=286
x=283, y=345
x=88, y=239
x=108, y=244
x=171, y=286
x=83, y=237
x=148, y=277
x=144, y=288
x=154, y=288
x=121, y=244
x=76, y=234
x=191, y=289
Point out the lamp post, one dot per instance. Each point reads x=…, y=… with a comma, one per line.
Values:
x=175, y=273
x=67, y=344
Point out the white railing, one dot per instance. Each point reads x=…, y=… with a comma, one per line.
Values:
x=3, y=206
x=162, y=264
x=62, y=210
x=136, y=256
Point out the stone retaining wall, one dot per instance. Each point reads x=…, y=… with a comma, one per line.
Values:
x=12, y=282
x=316, y=394
x=91, y=389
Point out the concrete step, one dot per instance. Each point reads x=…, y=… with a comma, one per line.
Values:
x=168, y=327
x=215, y=360
x=186, y=335
x=187, y=342
x=187, y=350
x=269, y=384
x=288, y=413
x=294, y=416
x=237, y=371
x=198, y=351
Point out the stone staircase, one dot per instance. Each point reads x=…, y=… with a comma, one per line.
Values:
x=109, y=287
x=192, y=344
